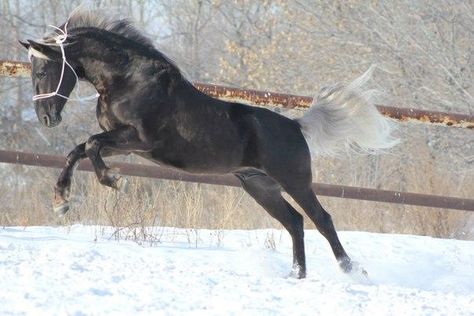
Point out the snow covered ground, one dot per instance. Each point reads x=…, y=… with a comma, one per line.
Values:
x=79, y=271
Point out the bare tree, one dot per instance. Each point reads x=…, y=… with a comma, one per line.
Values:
x=423, y=50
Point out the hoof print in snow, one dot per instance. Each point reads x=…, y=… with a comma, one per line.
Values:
x=359, y=274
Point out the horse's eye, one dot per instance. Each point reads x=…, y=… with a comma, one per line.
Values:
x=40, y=74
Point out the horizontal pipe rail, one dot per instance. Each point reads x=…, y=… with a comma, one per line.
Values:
x=340, y=191
x=265, y=98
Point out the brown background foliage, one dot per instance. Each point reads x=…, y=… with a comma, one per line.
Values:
x=425, y=59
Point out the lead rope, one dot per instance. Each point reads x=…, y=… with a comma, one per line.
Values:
x=60, y=39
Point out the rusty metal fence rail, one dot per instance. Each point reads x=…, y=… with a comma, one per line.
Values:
x=21, y=69
x=341, y=191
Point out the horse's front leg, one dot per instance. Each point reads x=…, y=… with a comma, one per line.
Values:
x=120, y=141
x=62, y=188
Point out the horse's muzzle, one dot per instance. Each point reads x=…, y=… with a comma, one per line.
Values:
x=50, y=121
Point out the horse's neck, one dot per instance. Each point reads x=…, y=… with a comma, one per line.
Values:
x=101, y=71
x=100, y=75
x=105, y=71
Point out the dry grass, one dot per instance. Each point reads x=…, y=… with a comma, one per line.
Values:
x=152, y=204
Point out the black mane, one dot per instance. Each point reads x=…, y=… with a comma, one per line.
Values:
x=81, y=20
x=94, y=19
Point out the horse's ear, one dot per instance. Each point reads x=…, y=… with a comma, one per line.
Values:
x=45, y=51
x=25, y=44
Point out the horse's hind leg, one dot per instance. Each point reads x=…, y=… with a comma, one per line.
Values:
x=294, y=175
x=267, y=193
x=306, y=198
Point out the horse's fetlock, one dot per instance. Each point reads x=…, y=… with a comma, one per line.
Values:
x=62, y=189
x=345, y=264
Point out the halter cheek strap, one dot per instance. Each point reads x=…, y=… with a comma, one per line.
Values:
x=60, y=39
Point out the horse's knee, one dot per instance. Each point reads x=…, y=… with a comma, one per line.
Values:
x=92, y=146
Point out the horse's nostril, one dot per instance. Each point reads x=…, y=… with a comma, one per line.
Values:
x=46, y=120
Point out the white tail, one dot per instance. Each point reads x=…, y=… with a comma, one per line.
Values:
x=344, y=115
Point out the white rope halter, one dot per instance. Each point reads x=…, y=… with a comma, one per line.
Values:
x=59, y=41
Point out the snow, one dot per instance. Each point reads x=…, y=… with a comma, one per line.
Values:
x=81, y=270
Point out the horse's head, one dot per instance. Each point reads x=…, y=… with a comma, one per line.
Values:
x=53, y=81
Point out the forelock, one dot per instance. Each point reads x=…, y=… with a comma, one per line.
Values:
x=35, y=53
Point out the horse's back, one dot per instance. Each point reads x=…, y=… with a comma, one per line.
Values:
x=207, y=135
x=203, y=137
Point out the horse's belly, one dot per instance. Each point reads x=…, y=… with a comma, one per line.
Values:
x=197, y=160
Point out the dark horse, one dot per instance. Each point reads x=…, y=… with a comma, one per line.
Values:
x=147, y=107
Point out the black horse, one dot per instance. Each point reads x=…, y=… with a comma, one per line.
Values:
x=147, y=107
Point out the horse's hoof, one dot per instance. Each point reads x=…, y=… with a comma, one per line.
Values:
x=113, y=179
x=62, y=208
x=122, y=185
x=297, y=272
